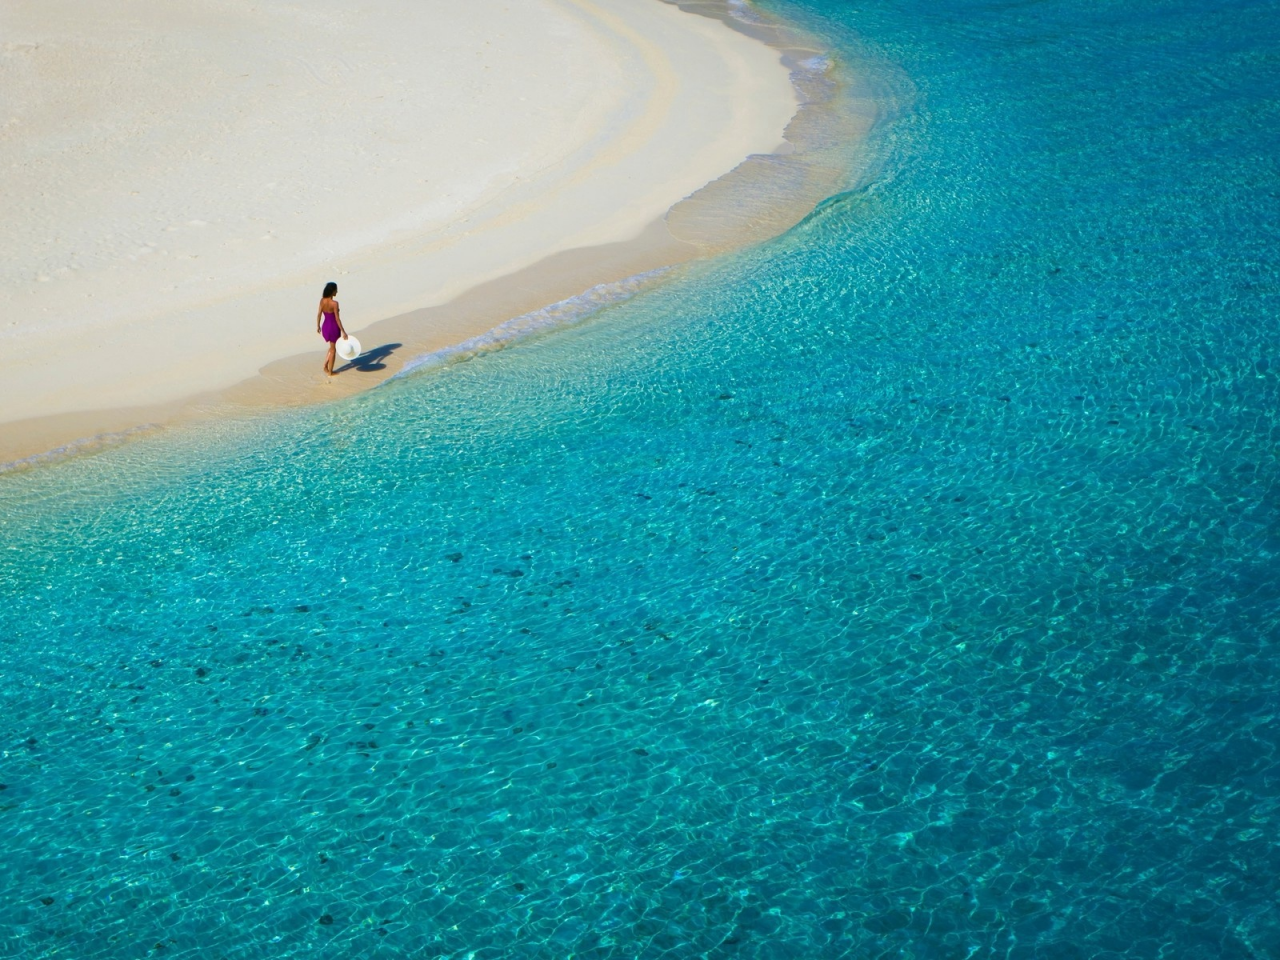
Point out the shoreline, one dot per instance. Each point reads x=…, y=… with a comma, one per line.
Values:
x=764, y=195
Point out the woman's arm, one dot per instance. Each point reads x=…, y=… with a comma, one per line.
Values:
x=319, y=314
x=337, y=315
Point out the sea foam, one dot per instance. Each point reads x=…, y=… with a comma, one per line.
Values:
x=563, y=313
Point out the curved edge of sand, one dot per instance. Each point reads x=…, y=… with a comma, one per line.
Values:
x=762, y=197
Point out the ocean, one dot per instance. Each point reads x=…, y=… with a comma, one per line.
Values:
x=904, y=586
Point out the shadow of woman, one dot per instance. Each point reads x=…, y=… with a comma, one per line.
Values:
x=372, y=359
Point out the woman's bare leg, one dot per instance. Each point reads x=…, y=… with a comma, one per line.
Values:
x=328, y=360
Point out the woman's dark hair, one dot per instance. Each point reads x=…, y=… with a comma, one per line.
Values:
x=330, y=289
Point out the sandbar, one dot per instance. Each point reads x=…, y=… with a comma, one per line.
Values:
x=184, y=178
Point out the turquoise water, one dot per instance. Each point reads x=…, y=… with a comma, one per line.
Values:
x=903, y=587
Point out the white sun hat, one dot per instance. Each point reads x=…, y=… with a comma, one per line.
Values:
x=349, y=348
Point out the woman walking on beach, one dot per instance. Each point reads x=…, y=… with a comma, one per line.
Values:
x=329, y=323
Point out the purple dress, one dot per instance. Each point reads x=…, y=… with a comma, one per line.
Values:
x=329, y=329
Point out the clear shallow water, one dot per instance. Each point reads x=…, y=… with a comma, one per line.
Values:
x=905, y=587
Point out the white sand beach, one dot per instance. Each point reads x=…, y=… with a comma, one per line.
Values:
x=180, y=180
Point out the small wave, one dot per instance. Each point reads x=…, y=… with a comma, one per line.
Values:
x=813, y=66
x=564, y=313
x=85, y=445
x=741, y=10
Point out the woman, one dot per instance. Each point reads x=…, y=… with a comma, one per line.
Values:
x=329, y=323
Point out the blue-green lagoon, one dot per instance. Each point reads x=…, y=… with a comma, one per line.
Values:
x=905, y=586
